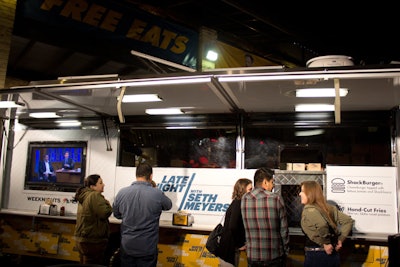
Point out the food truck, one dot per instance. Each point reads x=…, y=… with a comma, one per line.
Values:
x=230, y=123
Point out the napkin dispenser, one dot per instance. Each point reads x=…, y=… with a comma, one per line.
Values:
x=46, y=209
x=182, y=219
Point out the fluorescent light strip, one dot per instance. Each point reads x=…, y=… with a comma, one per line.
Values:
x=141, y=98
x=180, y=127
x=9, y=104
x=70, y=123
x=164, y=111
x=309, y=132
x=320, y=92
x=44, y=115
x=314, y=107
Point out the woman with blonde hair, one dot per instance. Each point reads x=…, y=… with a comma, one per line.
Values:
x=324, y=226
x=233, y=238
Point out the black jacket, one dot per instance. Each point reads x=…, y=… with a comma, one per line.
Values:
x=234, y=235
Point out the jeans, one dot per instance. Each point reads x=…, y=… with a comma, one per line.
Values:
x=277, y=262
x=91, y=253
x=320, y=258
x=134, y=261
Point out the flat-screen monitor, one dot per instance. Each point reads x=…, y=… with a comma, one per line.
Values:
x=55, y=166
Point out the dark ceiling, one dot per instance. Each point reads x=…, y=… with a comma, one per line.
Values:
x=288, y=34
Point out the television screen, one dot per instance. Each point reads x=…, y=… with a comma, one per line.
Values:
x=56, y=166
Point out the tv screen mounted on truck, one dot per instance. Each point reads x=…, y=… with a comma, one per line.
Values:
x=55, y=166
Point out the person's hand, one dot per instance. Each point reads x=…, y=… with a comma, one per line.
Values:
x=338, y=245
x=328, y=248
x=243, y=248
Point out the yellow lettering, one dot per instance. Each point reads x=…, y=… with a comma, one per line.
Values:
x=94, y=14
x=168, y=36
x=49, y=4
x=152, y=36
x=74, y=9
x=136, y=29
x=180, y=44
x=111, y=21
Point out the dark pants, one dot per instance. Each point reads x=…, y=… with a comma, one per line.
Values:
x=320, y=258
x=143, y=261
x=91, y=253
x=278, y=262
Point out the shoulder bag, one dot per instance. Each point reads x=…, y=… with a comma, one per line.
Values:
x=213, y=240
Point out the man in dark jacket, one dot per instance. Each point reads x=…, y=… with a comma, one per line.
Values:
x=46, y=170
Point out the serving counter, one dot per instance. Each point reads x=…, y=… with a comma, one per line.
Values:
x=32, y=234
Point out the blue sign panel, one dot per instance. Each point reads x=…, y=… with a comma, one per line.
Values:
x=118, y=25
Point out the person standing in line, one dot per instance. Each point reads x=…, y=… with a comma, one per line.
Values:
x=233, y=238
x=92, y=224
x=265, y=223
x=68, y=163
x=324, y=226
x=139, y=206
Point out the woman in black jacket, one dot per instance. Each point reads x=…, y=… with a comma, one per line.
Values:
x=233, y=239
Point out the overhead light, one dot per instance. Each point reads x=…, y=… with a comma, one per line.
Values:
x=70, y=123
x=314, y=107
x=10, y=104
x=320, y=92
x=164, y=111
x=212, y=55
x=44, y=115
x=309, y=132
x=141, y=98
x=180, y=127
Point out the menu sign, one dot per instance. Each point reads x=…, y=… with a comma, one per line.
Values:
x=367, y=194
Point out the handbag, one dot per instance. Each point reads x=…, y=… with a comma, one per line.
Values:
x=214, y=238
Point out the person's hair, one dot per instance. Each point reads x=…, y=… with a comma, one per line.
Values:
x=144, y=169
x=239, y=189
x=315, y=196
x=261, y=174
x=90, y=180
x=153, y=184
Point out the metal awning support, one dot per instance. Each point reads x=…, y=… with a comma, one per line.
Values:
x=337, y=101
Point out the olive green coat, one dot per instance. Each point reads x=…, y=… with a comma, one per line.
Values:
x=316, y=227
x=92, y=223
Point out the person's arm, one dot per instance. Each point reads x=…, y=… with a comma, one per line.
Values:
x=72, y=164
x=42, y=168
x=284, y=224
x=166, y=202
x=115, y=208
x=345, y=222
x=102, y=206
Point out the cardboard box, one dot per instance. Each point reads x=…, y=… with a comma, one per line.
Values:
x=289, y=166
x=299, y=166
x=314, y=167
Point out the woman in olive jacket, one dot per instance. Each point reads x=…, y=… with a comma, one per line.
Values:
x=233, y=238
x=92, y=225
x=325, y=227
